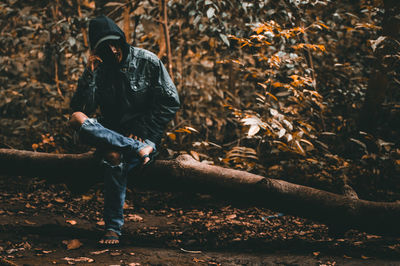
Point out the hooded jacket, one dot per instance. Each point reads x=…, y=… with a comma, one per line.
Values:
x=135, y=97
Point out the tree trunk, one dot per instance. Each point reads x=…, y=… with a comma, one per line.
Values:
x=164, y=23
x=385, y=47
x=186, y=174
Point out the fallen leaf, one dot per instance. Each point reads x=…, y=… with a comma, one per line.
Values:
x=316, y=253
x=373, y=237
x=29, y=222
x=172, y=136
x=29, y=206
x=365, y=257
x=73, y=244
x=79, y=259
x=230, y=217
x=99, y=252
x=101, y=223
x=26, y=245
x=115, y=253
x=87, y=197
x=195, y=155
x=13, y=250
x=91, y=5
x=59, y=200
x=71, y=222
x=134, y=218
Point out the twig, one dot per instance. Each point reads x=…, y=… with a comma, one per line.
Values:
x=6, y=262
x=191, y=251
x=9, y=146
x=56, y=78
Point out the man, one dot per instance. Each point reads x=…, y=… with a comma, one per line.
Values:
x=137, y=99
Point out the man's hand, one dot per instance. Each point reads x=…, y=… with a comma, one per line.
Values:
x=93, y=62
x=135, y=137
x=143, y=152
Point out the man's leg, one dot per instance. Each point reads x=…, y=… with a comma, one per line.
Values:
x=114, y=197
x=115, y=174
x=95, y=134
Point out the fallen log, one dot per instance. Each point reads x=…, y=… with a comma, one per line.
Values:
x=186, y=174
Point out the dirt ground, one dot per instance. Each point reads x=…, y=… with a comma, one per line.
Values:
x=46, y=224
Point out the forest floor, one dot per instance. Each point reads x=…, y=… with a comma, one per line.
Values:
x=45, y=224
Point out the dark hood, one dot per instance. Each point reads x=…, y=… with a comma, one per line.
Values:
x=101, y=27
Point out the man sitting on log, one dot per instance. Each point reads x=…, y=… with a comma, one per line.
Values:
x=137, y=99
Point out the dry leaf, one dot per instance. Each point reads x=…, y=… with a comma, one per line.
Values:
x=59, y=200
x=101, y=223
x=195, y=155
x=73, y=244
x=71, y=222
x=91, y=5
x=172, y=136
x=29, y=222
x=79, y=259
x=29, y=206
x=230, y=217
x=134, y=218
x=115, y=253
x=87, y=197
x=198, y=260
x=373, y=237
x=99, y=252
x=253, y=130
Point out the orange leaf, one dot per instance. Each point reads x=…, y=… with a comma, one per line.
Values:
x=73, y=244
x=195, y=155
x=299, y=148
x=172, y=136
x=59, y=200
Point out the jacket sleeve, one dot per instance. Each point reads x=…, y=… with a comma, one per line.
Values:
x=84, y=98
x=164, y=105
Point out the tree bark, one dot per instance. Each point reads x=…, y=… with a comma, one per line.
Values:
x=164, y=23
x=186, y=174
x=384, y=49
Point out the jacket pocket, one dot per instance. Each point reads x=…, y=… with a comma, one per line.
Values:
x=139, y=92
x=138, y=83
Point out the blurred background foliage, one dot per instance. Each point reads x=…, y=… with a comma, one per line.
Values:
x=306, y=91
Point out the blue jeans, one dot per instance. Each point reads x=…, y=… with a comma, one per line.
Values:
x=115, y=176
